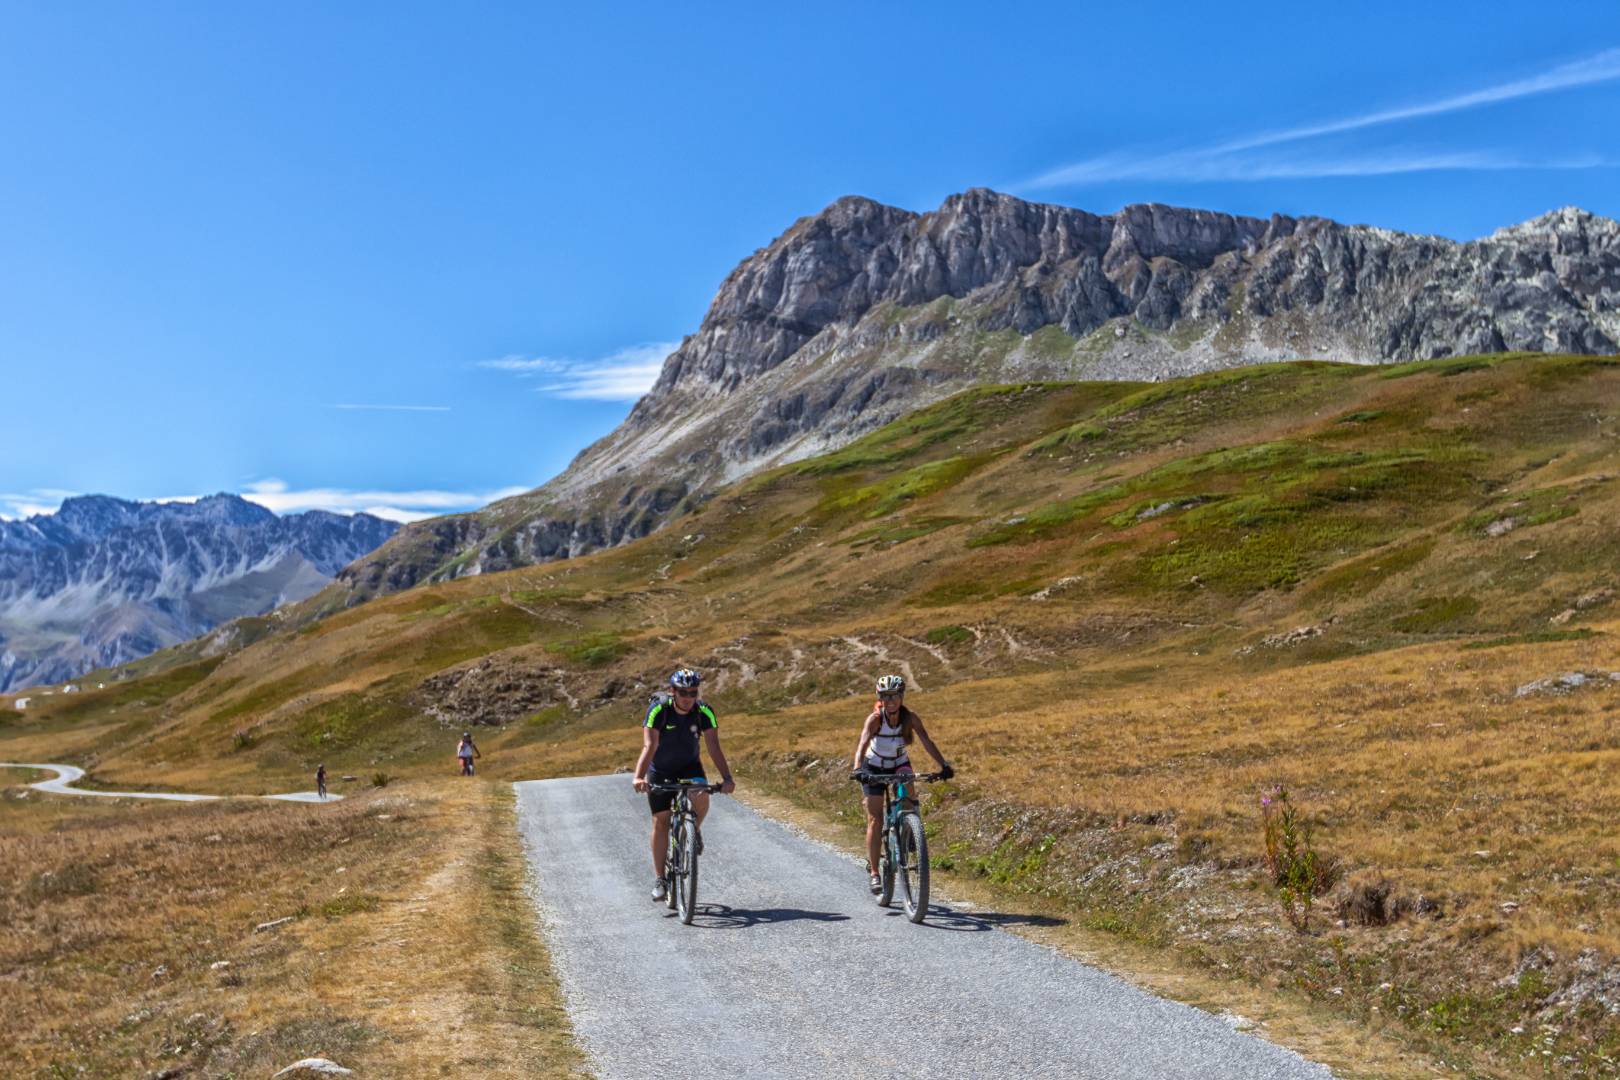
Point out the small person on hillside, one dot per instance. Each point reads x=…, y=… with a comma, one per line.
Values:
x=465, y=752
x=320, y=779
x=885, y=735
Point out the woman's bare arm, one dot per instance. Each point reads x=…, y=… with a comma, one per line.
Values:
x=928, y=744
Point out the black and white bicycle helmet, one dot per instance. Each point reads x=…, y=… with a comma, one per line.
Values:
x=685, y=679
x=891, y=684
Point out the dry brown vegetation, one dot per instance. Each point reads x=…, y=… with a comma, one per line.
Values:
x=128, y=943
x=1129, y=610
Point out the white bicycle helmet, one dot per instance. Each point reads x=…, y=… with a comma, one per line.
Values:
x=891, y=684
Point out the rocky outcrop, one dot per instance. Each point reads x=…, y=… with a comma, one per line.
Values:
x=865, y=311
x=104, y=581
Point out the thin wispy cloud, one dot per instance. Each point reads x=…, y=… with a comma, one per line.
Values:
x=402, y=506
x=1234, y=159
x=622, y=376
x=1203, y=166
x=393, y=408
x=14, y=506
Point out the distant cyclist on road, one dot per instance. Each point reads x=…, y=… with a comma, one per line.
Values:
x=466, y=751
x=320, y=780
x=670, y=751
x=882, y=749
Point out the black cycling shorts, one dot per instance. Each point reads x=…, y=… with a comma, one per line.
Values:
x=660, y=801
x=877, y=789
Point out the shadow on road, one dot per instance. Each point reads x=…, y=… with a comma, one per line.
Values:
x=944, y=918
x=721, y=917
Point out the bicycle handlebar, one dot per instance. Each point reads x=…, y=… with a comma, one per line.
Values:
x=894, y=778
x=712, y=789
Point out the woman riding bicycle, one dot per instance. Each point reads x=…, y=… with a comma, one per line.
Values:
x=669, y=752
x=882, y=750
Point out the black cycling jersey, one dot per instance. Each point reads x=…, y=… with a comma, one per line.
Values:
x=679, y=737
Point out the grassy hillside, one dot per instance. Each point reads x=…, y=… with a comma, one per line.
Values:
x=1129, y=611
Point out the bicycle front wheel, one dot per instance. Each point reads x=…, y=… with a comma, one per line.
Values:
x=886, y=870
x=684, y=888
x=674, y=857
x=913, y=869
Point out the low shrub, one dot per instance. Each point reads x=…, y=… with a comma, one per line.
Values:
x=1294, y=867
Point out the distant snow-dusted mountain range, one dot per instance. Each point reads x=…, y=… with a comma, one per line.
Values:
x=104, y=581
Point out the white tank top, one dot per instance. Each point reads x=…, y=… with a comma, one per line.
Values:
x=887, y=750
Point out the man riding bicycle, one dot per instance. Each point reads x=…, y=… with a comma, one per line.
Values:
x=882, y=749
x=671, y=751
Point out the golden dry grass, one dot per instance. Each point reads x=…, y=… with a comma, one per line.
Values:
x=127, y=941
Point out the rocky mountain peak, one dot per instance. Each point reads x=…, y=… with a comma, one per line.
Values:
x=863, y=311
x=92, y=516
x=227, y=509
x=1567, y=230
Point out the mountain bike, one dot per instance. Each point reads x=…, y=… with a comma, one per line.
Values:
x=903, y=854
x=681, y=856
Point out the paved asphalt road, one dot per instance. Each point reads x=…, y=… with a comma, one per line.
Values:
x=792, y=970
x=62, y=784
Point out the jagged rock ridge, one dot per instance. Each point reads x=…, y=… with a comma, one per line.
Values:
x=103, y=581
x=864, y=311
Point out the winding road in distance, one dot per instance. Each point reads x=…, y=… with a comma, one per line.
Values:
x=62, y=784
x=790, y=968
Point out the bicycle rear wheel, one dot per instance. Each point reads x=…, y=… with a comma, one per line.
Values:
x=913, y=869
x=684, y=888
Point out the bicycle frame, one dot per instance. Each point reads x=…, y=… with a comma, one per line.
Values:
x=894, y=805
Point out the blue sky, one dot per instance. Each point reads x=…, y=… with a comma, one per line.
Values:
x=411, y=257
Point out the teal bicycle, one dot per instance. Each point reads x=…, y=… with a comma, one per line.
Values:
x=903, y=855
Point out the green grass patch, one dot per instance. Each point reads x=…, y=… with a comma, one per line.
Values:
x=349, y=719
x=900, y=532
x=891, y=493
x=592, y=650
x=1438, y=613
x=967, y=589
x=551, y=714
x=1159, y=393
x=954, y=417
x=1361, y=575
x=139, y=693
x=260, y=700
x=1046, y=520
x=1448, y=367
x=1012, y=862
x=1083, y=432
x=1527, y=510
x=948, y=635
x=1535, y=637
x=1259, y=544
